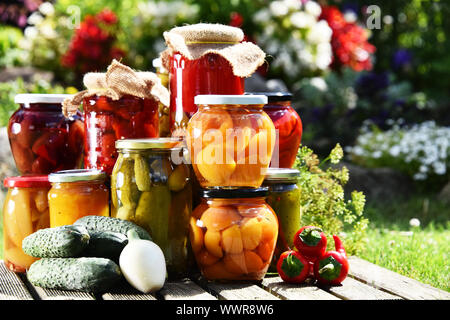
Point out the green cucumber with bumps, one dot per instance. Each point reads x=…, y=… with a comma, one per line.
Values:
x=105, y=244
x=58, y=242
x=80, y=274
x=101, y=223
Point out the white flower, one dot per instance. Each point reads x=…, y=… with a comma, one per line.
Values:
x=350, y=16
x=262, y=16
x=439, y=168
x=302, y=20
x=278, y=8
x=318, y=83
x=31, y=32
x=47, y=9
x=313, y=8
x=293, y=4
x=414, y=222
x=320, y=32
x=35, y=18
x=394, y=151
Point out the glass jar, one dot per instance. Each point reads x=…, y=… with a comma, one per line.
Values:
x=151, y=186
x=164, y=111
x=284, y=198
x=230, y=140
x=42, y=140
x=25, y=210
x=108, y=120
x=75, y=194
x=210, y=74
x=288, y=125
x=233, y=234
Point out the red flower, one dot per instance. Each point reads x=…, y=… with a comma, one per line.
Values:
x=92, y=46
x=349, y=41
x=107, y=16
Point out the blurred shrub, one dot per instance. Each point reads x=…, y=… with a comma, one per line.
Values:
x=422, y=151
x=335, y=106
x=10, y=52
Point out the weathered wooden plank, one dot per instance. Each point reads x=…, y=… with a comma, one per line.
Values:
x=124, y=291
x=52, y=294
x=393, y=282
x=295, y=291
x=11, y=286
x=352, y=289
x=184, y=290
x=238, y=291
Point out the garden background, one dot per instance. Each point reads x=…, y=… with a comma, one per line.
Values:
x=370, y=80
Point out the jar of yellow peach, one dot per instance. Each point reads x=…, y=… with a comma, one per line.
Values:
x=25, y=210
x=233, y=233
x=75, y=194
x=230, y=140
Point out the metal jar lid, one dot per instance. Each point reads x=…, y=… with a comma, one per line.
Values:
x=241, y=193
x=238, y=99
x=281, y=175
x=150, y=143
x=77, y=175
x=27, y=98
x=273, y=96
x=40, y=181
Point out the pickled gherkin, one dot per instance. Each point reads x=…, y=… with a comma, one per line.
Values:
x=152, y=213
x=142, y=173
x=152, y=191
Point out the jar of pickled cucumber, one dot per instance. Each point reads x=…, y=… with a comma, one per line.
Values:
x=151, y=186
x=75, y=194
x=233, y=234
x=25, y=210
x=284, y=198
x=231, y=140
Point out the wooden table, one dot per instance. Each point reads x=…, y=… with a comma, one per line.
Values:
x=366, y=281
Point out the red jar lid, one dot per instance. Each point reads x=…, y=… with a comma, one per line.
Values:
x=27, y=182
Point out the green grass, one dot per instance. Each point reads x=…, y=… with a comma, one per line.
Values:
x=420, y=252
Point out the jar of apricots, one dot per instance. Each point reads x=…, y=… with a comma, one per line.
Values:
x=230, y=140
x=75, y=194
x=25, y=210
x=233, y=233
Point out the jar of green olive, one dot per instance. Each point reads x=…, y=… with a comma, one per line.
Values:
x=284, y=198
x=151, y=186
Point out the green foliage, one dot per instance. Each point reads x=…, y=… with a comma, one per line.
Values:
x=323, y=203
x=8, y=91
x=10, y=52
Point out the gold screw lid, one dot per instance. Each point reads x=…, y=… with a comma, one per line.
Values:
x=150, y=143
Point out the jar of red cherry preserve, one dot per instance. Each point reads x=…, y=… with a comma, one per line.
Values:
x=118, y=104
x=42, y=140
x=205, y=59
x=288, y=126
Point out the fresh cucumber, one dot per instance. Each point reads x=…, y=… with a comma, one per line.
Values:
x=58, y=242
x=105, y=244
x=100, y=223
x=81, y=274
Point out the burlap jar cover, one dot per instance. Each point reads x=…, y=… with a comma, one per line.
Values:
x=118, y=81
x=198, y=40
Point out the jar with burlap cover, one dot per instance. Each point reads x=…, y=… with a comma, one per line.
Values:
x=205, y=59
x=119, y=104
